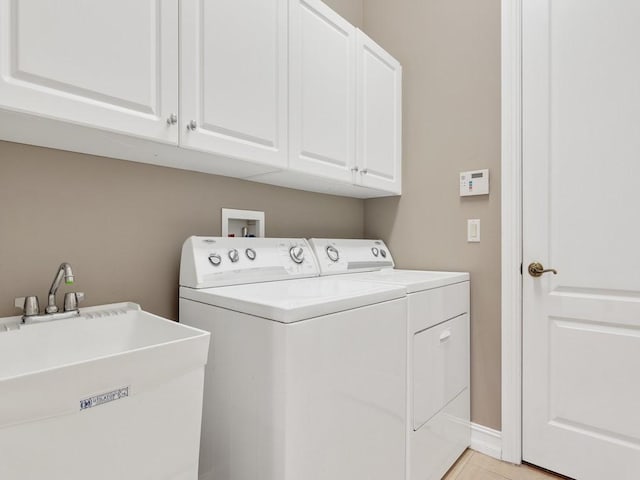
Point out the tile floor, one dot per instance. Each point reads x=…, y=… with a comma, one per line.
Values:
x=476, y=466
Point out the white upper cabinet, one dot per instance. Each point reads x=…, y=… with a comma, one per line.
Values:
x=111, y=65
x=322, y=91
x=233, y=78
x=379, y=117
x=285, y=92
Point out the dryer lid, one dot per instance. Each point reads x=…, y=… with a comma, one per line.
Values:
x=414, y=280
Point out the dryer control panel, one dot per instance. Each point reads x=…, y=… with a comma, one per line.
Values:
x=336, y=256
x=218, y=261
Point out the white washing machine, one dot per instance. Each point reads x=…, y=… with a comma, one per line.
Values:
x=438, y=421
x=307, y=375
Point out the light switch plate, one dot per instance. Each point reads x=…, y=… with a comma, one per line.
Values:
x=473, y=230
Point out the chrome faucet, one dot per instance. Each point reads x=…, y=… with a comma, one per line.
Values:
x=64, y=270
x=30, y=304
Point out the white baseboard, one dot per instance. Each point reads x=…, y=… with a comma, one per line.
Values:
x=486, y=440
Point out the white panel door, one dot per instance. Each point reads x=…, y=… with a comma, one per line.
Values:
x=581, y=165
x=233, y=80
x=111, y=65
x=379, y=117
x=322, y=89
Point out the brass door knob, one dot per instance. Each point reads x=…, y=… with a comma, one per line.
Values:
x=536, y=269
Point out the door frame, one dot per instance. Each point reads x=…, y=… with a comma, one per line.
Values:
x=511, y=236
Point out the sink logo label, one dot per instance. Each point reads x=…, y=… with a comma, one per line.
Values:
x=107, y=397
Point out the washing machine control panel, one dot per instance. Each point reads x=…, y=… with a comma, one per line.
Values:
x=297, y=254
x=234, y=256
x=336, y=256
x=217, y=261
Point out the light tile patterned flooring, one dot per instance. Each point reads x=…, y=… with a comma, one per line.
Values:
x=476, y=466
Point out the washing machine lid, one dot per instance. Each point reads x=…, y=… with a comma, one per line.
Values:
x=413, y=280
x=295, y=300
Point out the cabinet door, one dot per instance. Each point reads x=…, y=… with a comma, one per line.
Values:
x=379, y=117
x=322, y=102
x=233, y=82
x=111, y=65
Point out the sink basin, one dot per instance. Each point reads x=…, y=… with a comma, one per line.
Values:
x=113, y=393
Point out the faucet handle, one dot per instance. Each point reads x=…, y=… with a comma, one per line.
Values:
x=71, y=301
x=29, y=305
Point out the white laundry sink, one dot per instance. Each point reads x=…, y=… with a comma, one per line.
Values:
x=113, y=393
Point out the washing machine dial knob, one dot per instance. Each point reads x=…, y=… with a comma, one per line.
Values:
x=332, y=253
x=233, y=255
x=383, y=253
x=215, y=259
x=296, y=254
x=375, y=251
x=250, y=253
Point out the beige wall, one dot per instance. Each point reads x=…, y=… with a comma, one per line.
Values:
x=121, y=224
x=352, y=10
x=450, y=53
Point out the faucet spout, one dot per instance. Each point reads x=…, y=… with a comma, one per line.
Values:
x=64, y=270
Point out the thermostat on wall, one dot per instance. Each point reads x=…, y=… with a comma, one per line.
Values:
x=474, y=183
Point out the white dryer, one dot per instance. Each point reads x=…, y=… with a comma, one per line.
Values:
x=307, y=377
x=438, y=409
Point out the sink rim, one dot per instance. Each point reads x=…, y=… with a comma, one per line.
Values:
x=101, y=312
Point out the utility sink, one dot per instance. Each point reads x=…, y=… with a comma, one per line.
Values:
x=113, y=393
